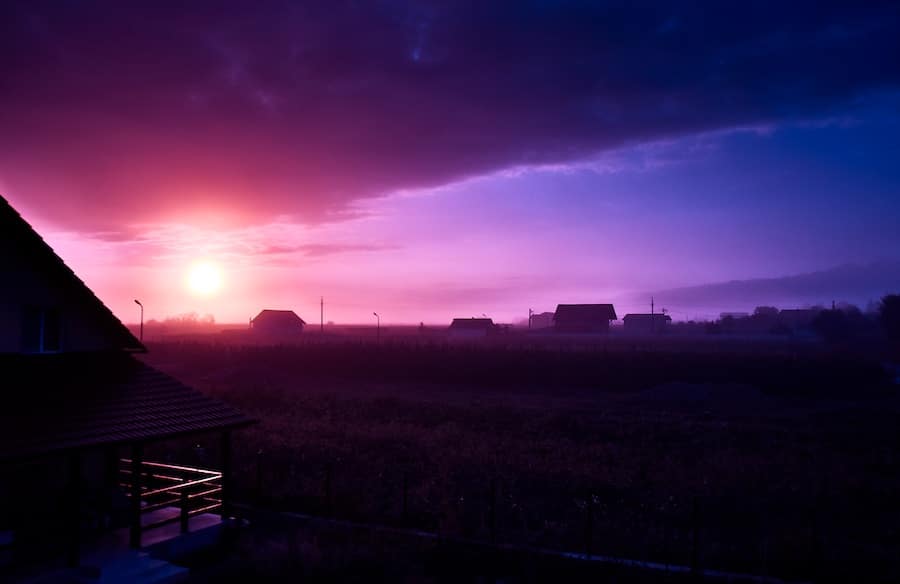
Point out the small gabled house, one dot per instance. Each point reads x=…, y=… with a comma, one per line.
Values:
x=797, y=318
x=643, y=323
x=79, y=412
x=583, y=318
x=468, y=328
x=277, y=325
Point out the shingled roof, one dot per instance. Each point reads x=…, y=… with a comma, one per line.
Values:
x=18, y=237
x=472, y=324
x=584, y=312
x=278, y=316
x=70, y=401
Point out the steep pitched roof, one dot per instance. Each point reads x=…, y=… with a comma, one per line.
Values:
x=69, y=401
x=647, y=317
x=472, y=323
x=278, y=316
x=584, y=312
x=20, y=238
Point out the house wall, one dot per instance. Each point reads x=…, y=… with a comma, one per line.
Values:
x=599, y=326
x=645, y=325
x=464, y=333
x=277, y=328
x=35, y=497
x=24, y=286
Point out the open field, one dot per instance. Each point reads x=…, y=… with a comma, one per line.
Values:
x=778, y=463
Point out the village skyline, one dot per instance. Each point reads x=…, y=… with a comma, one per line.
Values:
x=425, y=168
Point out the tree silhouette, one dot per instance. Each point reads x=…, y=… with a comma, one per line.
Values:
x=889, y=315
x=832, y=326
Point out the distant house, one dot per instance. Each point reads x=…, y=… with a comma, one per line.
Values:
x=543, y=320
x=78, y=412
x=277, y=324
x=646, y=323
x=583, y=318
x=733, y=315
x=797, y=318
x=472, y=327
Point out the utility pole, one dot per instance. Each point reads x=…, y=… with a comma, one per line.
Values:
x=321, y=314
x=530, y=315
x=652, y=316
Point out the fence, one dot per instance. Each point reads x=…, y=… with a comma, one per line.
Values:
x=698, y=534
x=163, y=487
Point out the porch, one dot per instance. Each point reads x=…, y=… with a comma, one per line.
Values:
x=75, y=478
x=178, y=510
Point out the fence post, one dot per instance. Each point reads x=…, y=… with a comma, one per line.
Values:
x=815, y=543
x=666, y=551
x=259, y=477
x=328, y=488
x=695, y=531
x=492, y=510
x=405, y=516
x=589, y=527
x=184, y=510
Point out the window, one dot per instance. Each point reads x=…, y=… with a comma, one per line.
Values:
x=41, y=332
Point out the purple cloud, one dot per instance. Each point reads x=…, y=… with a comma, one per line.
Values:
x=115, y=113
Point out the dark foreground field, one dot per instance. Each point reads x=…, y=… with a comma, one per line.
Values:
x=768, y=463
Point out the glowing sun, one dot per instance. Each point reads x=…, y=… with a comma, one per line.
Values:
x=204, y=279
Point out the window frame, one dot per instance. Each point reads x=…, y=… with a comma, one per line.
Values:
x=42, y=314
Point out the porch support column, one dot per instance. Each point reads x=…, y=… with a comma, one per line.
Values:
x=137, y=456
x=225, y=449
x=73, y=513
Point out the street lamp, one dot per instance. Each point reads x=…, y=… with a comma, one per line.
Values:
x=138, y=302
x=377, y=327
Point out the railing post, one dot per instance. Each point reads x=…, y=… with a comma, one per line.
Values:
x=183, y=515
x=226, y=474
x=137, y=455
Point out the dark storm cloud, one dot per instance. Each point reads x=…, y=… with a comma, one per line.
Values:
x=112, y=111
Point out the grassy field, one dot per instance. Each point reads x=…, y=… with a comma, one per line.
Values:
x=773, y=462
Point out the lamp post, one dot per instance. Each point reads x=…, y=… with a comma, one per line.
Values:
x=138, y=302
x=377, y=327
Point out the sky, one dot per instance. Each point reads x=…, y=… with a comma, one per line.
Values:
x=428, y=160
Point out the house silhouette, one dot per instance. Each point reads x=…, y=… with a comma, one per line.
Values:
x=472, y=327
x=583, y=318
x=80, y=411
x=277, y=324
x=646, y=323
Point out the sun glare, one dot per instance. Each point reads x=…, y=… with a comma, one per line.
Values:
x=204, y=279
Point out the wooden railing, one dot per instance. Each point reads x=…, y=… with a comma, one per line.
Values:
x=191, y=490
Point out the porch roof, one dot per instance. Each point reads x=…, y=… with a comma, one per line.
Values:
x=51, y=403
